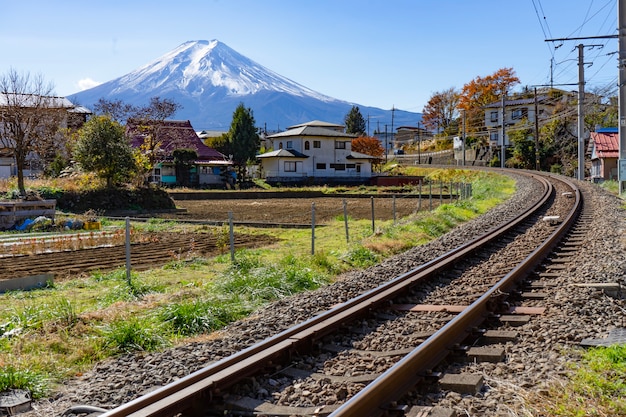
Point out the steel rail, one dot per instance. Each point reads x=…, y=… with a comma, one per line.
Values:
x=397, y=380
x=199, y=386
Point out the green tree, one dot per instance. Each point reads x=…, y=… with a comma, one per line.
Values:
x=242, y=141
x=354, y=121
x=103, y=148
x=184, y=161
x=523, y=152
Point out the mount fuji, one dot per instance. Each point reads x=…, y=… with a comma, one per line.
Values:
x=209, y=80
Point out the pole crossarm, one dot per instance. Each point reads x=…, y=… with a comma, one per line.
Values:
x=582, y=38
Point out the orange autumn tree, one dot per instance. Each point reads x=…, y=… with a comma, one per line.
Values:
x=482, y=91
x=369, y=146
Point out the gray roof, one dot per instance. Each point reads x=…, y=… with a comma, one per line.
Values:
x=33, y=100
x=312, y=131
x=283, y=153
x=517, y=102
x=359, y=155
x=318, y=123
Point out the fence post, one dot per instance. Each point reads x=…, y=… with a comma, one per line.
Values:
x=394, y=209
x=345, y=219
x=430, y=195
x=128, y=251
x=312, y=228
x=440, y=192
x=232, y=236
x=419, y=198
x=373, y=222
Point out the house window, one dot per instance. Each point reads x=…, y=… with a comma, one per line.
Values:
x=280, y=145
x=358, y=168
x=350, y=166
x=340, y=145
x=338, y=167
x=494, y=116
x=519, y=114
x=493, y=136
x=320, y=165
x=317, y=144
x=290, y=166
x=307, y=145
x=289, y=144
x=157, y=171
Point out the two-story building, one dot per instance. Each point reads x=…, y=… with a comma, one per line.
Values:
x=515, y=110
x=315, y=152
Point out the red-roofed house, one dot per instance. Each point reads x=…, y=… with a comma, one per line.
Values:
x=604, y=146
x=207, y=169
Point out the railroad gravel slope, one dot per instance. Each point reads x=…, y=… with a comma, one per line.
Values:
x=576, y=314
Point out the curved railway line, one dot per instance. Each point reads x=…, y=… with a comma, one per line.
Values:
x=384, y=351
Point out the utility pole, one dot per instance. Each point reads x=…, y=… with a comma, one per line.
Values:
x=581, y=116
x=393, y=109
x=537, y=164
x=621, y=22
x=503, y=149
x=463, y=137
x=581, y=90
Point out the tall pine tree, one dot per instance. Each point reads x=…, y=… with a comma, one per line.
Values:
x=354, y=121
x=243, y=141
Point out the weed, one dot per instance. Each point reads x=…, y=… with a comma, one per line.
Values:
x=360, y=257
x=12, y=377
x=132, y=334
x=199, y=316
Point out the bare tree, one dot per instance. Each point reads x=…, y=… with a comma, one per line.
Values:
x=29, y=115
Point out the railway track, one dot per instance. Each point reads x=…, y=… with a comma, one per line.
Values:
x=377, y=354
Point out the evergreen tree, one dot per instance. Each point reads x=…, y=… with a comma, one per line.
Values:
x=354, y=121
x=103, y=148
x=243, y=140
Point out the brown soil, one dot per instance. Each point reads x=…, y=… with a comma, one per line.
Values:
x=297, y=210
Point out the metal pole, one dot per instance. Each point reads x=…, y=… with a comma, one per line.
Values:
x=128, y=250
x=581, y=116
x=621, y=21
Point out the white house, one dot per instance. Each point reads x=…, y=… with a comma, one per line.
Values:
x=315, y=152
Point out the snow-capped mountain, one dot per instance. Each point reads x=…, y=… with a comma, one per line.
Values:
x=209, y=80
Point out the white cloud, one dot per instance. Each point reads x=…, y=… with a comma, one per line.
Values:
x=87, y=83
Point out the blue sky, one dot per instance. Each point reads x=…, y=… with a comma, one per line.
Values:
x=380, y=53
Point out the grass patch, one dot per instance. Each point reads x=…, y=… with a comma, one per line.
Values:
x=596, y=387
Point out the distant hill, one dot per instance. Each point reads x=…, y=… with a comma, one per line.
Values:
x=209, y=80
